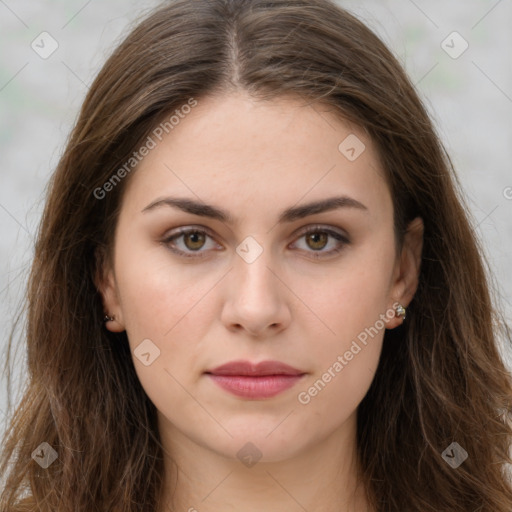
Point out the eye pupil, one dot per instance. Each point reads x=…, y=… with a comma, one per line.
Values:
x=194, y=236
x=316, y=237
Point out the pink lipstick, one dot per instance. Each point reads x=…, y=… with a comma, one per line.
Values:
x=255, y=381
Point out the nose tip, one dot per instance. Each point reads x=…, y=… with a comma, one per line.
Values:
x=255, y=302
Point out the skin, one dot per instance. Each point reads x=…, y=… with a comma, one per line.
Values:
x=254, y=159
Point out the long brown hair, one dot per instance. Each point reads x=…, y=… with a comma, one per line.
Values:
x=441, y=378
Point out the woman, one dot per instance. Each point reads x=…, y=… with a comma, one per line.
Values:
x=256, y=286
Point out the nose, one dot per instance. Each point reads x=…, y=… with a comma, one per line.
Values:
x=257, y=299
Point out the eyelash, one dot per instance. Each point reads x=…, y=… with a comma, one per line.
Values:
x=201, y=254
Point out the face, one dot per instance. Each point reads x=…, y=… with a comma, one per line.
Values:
x=258, y=276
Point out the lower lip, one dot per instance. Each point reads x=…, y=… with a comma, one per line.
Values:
x=265, y=386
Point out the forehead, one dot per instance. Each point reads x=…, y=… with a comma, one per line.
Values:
x=234, y=150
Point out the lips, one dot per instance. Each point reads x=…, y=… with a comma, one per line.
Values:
x=255, y=381
x=248, y=368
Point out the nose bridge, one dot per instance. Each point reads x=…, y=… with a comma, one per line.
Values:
x=254, y=258
x=255, y=300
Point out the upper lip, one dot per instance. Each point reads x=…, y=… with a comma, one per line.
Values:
x=255, y=369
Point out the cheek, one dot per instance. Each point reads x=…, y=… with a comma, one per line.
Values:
x=330, y=398
x=353, y=304
x=156, y=296
x=166, y=311
x=352, y=297
x=344, y=363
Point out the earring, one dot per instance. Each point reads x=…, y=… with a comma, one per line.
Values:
x=400, y=311
x=108, y=318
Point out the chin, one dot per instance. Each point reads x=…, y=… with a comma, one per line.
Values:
x=262, y=441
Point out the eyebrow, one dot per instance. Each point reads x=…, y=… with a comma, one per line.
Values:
x=289, y=215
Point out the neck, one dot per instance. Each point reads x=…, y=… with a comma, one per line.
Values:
x=321, y=478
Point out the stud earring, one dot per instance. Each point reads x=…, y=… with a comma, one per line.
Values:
x=400, y=311
x=108, y=318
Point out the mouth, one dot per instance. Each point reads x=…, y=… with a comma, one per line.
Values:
x=255, y=381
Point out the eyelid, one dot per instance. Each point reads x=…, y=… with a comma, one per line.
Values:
x=321, y=227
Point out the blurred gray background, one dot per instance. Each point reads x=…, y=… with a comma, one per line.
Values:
x=457, y=53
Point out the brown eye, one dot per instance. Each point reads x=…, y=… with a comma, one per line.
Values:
x=190, y=243
x=194, y=240
x=317, y=240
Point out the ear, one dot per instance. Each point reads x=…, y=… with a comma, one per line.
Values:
x=407, y=268
x=105, y=282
